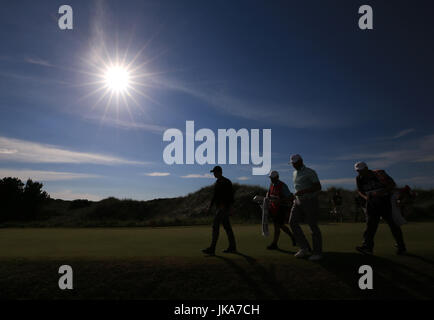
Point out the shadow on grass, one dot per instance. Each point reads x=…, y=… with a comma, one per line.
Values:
x=242, y=273
x=391, y=280
x=286, y=251
x=420, y=258
x=267, y=278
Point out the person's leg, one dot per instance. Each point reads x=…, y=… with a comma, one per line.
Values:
x=289, y=233
x=394, y=228
x=397, y=233
x=279, y=222
x=294, y=223
x=311, y=209
x=228, y=228
x=216, y=228
x=276, y=233
x=372, y=221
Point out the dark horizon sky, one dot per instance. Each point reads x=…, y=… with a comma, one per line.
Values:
x=328, y=90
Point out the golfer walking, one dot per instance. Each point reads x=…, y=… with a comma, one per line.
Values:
x=307, y=187
x=223, y=199
x=376, y=188
x=279, y=197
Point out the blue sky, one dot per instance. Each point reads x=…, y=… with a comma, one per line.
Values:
x=329, y=91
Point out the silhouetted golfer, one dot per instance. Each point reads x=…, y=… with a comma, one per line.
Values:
x=337, y=206
x=223, y=199
x=376, y=188
x=279, y=198
x=307, y=187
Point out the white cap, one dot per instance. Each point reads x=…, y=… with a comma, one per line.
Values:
x=360, y=166
x=295, y=158
x=274, y=174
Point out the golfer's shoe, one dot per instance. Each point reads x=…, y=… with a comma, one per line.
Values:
x=272, y=246
x=230, y=250
x=364, y=250
x=209, y=251
x=302, y=253
x=315, y=257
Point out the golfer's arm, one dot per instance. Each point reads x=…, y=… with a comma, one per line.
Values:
x=364, y=196
x=212, y=201
x=317, y=187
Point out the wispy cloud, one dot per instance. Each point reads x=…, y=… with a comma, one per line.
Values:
x=8, y=151
x=198, y=176
x=418, y=181
x=39, y=62
x=403, y=133
x=285, y=166
x=288, y=115
x=32, y=152
x=157, y=174
x=70, y=195
x=128, y=125
x=33, y=78
x=30, y=60
x=417, y=150
x=42, y=176
x=243, y=178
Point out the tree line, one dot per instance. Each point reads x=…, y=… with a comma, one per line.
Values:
x=21, y=201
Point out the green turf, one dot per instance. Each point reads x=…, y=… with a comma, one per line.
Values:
x=166, y=263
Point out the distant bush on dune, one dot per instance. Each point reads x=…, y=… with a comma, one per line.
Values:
x=112, y=208
x=28, y=205
x=79, y=203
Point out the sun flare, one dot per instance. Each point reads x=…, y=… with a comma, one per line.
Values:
x=117, y=79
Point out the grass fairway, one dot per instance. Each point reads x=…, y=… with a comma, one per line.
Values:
x=166, y=263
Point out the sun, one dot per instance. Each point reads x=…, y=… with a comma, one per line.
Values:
x=117, y=79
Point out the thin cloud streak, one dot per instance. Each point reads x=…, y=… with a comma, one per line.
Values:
x=128, y=125
x=264, y=111
x=198, y=176
x=418, y=150
x=32, y=152
x=38, y=175
x=32, y=78
x=70, y=195
x=39, y=62
x=419, y=181
x=403, y=133
x=243, y=178
x=157, y=174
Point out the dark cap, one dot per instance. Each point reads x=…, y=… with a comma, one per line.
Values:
x=217, y=169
